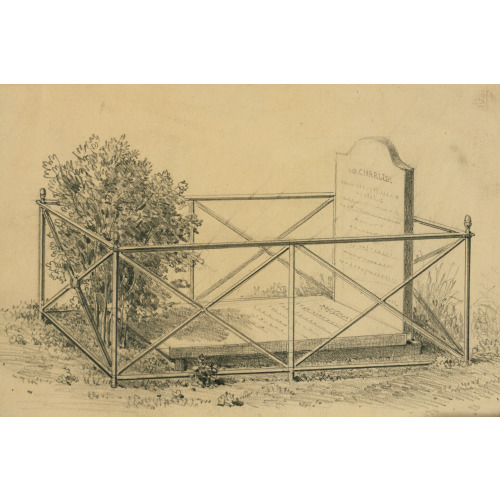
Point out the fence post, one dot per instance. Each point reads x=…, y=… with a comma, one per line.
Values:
x=41, y=254
x=334, y=233
x=191, y=240
x=468, y=240
x=291, y=312
x=115, y=277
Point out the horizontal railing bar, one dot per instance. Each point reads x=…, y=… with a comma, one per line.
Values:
x=385, y=364
x=258, y=371
x=249, y=197
x=275, y=243
x=84, y=230
x=78, y=344
x=63, y=311
x=436, y=225
x=153, y=376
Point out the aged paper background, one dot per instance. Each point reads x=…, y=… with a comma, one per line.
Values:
x=241, y=139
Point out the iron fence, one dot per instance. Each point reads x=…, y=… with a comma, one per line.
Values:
x=281, y=249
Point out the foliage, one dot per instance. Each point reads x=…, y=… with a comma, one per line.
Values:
x=205, y=372
x=486, y=327
x=228, y=399
x=111, y=190
x=441, y=292
x=304, y=288
x=275, y=290
x=66, y=377
x=319, y=287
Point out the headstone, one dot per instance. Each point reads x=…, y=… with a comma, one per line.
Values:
x=374, y=197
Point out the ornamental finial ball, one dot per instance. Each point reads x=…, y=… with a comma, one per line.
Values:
x=467, y=222
x=115, y=237
x=43, y=194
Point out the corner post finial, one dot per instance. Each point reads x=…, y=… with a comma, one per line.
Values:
x=43, y=194
x=467, y=223
x=115, y=238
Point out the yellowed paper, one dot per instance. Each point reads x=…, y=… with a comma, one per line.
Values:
x=319, y=263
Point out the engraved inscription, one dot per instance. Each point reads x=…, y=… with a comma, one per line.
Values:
x=373, y=198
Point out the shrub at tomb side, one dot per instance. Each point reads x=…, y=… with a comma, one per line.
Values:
x=110, y=189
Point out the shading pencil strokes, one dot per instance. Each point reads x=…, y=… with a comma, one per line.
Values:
x=140, y=306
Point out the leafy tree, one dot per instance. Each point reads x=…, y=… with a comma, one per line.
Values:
x=108, y=188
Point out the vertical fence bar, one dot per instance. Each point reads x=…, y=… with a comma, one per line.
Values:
x=334, y=232
x=291, y=312
x=41, y=254
x=191, y=240
x=468, y=240
x=114, y=314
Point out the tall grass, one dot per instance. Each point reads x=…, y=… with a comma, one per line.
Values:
x=445, y=299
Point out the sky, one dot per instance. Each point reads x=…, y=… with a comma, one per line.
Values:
x=256, y=138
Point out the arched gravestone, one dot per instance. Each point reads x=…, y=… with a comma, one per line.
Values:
x=374, y=196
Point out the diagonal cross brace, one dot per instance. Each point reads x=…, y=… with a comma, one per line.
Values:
x=80, y=276
x=380, y=301
x=80, y=228
x=202, y=309
x=77, y=343
x=72, y=276
x=56, y=296
x=241, y=233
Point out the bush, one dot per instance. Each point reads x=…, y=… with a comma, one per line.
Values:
x=109, y=189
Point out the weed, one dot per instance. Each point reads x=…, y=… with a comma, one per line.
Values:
x=206, y=373
x=228, y=400
x=441, y=293
x=92, y=376
x=67, y=377
x=17, y=339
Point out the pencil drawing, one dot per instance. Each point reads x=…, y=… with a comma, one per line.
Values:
x=155, y=300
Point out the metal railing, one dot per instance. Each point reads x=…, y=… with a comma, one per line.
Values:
x=275, y=251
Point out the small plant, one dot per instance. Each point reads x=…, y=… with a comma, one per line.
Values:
x=92, y=376
x=17, y=339
x=178, y=397
x=228, y=400
x=67, y=377
x=444, y=362
x=206, y=373
x=275, y=290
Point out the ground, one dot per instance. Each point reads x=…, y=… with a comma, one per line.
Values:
x=43, y=375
